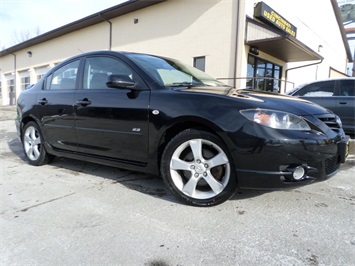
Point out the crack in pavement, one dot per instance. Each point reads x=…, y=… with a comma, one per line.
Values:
x=41, y=203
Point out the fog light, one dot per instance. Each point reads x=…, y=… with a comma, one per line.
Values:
x=298, y=173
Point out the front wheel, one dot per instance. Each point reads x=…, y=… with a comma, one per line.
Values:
x=33, y=145
x=198, y=169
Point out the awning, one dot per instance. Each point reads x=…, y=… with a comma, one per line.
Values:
x=277, y=43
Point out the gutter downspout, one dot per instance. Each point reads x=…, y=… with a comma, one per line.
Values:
x=236, y=47
x=317, y=63
x=110, y=41
x=12, y=94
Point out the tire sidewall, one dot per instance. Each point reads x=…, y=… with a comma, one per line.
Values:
x=174, y=143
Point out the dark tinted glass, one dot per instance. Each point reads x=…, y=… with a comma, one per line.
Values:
x=347, y=87
x=319, y=89
x=97, y=69
x=64, y=78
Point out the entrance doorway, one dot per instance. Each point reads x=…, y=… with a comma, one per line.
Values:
x=263, y=75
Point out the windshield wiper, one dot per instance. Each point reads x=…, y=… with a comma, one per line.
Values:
x=184, y=84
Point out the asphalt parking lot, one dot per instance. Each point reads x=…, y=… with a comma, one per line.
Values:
x=75, y=213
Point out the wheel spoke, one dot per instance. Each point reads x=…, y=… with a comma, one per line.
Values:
x=196, y=147
x=32, y=134
x=216, y=186
x=177, y=164
x=36, y=151
x=37, y=141
x=190, y=186
x=219, y=159
x=29, y=152
x=26, y=138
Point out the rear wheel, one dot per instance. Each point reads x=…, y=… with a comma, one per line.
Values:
x=33, y=145
x=198, y=169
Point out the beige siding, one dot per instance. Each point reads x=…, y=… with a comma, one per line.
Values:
x=180, y=29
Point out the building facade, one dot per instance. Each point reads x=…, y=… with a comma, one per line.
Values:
x=270, y=45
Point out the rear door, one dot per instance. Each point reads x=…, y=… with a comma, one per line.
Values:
x=345, y=103
x=55, y=107
x=111, y=122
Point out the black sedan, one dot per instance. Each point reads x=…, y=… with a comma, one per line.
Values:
x=159, y=116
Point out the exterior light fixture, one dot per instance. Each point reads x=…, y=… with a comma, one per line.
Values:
x=254, y=50
x=29, y=54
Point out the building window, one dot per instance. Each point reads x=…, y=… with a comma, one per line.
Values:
x=200, y=62
x=40, y=71
x=10, y=80
x=11, y=85
x=263, y=75
x=25, y=79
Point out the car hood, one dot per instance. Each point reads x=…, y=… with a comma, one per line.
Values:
x=281, y=102
x=267, y=100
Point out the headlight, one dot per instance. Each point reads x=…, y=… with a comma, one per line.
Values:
x=276, y=119
x=338, y=120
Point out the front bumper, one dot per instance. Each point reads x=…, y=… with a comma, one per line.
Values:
x=270, y=163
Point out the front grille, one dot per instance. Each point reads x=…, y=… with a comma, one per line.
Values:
x=331, y=121
x=331, y=165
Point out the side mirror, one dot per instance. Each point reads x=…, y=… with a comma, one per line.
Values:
x=120, y=82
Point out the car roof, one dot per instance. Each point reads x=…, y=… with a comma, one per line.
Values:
x=323, y=80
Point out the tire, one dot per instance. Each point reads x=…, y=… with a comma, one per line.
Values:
x=198, y=169
x=33, y=147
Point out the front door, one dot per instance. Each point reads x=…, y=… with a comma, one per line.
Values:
x=111, y=122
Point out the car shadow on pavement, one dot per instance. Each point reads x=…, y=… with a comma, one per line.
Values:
x=143, y=183
x=242, y=194
x=16, y=147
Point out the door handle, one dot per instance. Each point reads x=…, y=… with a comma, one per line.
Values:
x=83, y=102
x=343, y=102
x=43, y=101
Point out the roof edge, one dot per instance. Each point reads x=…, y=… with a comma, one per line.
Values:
x=342, y=29
x=96, y=18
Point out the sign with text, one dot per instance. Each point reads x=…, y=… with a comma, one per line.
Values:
x=266, y=14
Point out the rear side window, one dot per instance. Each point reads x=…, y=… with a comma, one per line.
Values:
x=319, y=89
x=63, y=78
x=347, y=87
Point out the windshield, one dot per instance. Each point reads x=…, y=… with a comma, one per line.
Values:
x=169, y=72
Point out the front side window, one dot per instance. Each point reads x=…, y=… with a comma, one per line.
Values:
x=97, y=69
x=172, y=73
x=321, y=89
x=63, y=78
x=347, y=87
